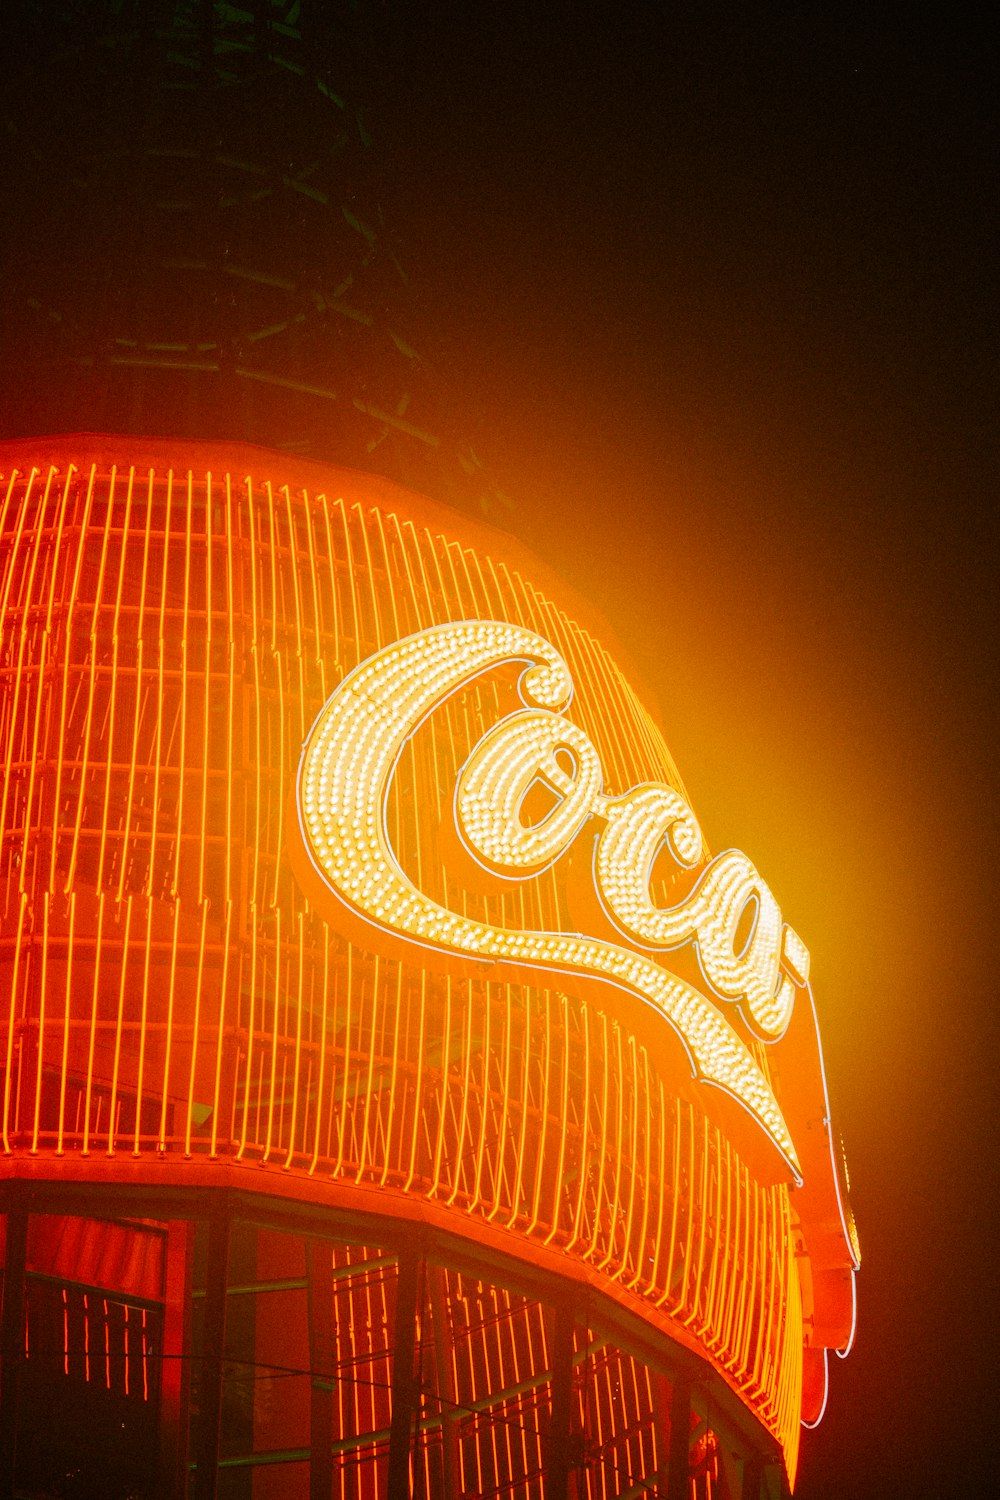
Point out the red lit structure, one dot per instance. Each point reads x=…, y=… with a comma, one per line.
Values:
x=300, y=1198
x=206, y=1087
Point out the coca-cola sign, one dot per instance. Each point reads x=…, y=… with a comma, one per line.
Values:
x=351, y=868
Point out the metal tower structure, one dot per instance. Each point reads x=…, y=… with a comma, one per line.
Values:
x=196, y=243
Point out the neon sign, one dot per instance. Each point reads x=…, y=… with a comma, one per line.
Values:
x=748, y=957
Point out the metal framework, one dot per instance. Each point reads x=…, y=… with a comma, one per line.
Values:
x=288, y=1211
x=223, y=262
x=172, y=1003
x=303, y=1361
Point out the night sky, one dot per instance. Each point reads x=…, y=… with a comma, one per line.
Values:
x=712, y=293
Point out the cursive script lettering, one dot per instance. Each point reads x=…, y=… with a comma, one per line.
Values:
x=343, y=784
x=524, y=750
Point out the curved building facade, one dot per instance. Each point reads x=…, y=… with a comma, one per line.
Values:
x=422, y=1167
x=398, y=1097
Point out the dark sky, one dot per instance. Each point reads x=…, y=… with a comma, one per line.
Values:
x=713, y=291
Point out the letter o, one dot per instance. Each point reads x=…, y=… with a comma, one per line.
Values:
x=522, y=750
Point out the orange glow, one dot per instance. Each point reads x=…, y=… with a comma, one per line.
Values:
x=344, y=783
x=167, y=637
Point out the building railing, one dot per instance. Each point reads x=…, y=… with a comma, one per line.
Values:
x=166, y=641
